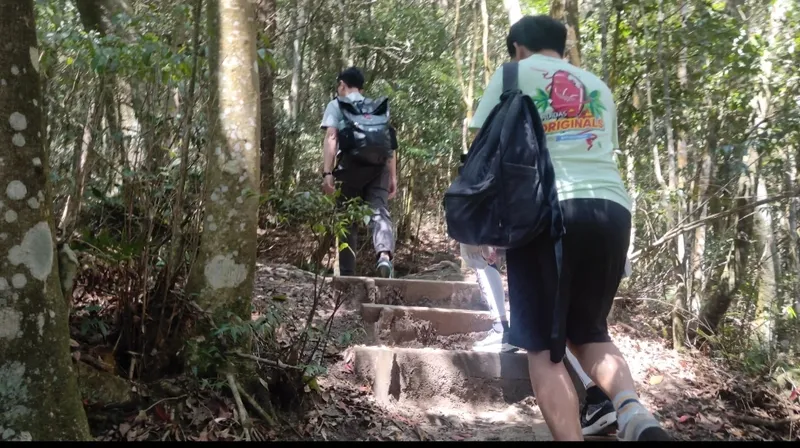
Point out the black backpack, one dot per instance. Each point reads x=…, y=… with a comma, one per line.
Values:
x=367, y=136
x=505, y=194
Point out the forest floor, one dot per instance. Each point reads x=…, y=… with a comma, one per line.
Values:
x=695, y=395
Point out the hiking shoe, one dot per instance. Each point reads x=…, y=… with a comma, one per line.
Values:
x=385, y=269
x=494, y=342
x=598, y=419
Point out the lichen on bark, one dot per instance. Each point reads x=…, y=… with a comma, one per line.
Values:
x=221, y=281
x=38, y=391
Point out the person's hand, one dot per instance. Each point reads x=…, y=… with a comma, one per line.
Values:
x=392, y=187
x=489, y=254
x=327, y=185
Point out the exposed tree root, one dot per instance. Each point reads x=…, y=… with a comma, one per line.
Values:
x=240, y=405
x=259, y=410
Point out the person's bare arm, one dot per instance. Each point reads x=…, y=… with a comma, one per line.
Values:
x=329, y=149
x=392, y=162
x=329, y=145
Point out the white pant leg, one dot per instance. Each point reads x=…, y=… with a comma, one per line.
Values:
x=489, y=281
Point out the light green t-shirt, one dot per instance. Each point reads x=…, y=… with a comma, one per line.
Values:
x=580, y=122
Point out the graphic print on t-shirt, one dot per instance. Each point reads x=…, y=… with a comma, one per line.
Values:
x=568, y=111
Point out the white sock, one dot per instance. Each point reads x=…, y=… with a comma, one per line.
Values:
x=632, y=417
x=587, y=382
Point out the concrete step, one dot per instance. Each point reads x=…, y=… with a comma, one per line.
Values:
x=428, y=293
x=429, y=375
x=426, y=375
x=443, y=321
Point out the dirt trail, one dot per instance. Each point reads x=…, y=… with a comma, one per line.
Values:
x=693, y=397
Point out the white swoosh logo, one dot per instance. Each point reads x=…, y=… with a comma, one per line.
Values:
x=591, y=415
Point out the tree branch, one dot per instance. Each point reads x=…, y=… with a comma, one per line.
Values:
x=700, y=222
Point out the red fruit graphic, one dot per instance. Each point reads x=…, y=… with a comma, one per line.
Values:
x=566, y=94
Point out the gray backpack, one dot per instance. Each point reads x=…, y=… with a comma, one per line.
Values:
x=367, y=136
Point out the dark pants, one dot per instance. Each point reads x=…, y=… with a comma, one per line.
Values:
x=595, y=248
x=372, y=185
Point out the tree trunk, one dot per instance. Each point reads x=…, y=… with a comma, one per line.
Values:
x=221, y=281
x=513, y=10
x=678, y=327
x=485, y=43
x=630, y=159
x=299, y=23
x=38, y=391
x=769, y=261
x=96, y=15
x=790, y=184
x=702, y=183
x=183, y=171
x=469, y=95
x=347, y=58
x=268, y=22
x=567, y=11
x=612, y=77
x=681, y=160
x=81, y=161
x=573, y=33
x=291, y=150
x=604, y=63
x=460, y=74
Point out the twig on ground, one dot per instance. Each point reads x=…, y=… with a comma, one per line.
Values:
x=270, y=421
x=239, y=405
x=768, y=423
x=163, y=400
x=296, y=431
x=268, y=362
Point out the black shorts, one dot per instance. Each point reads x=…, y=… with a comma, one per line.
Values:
x=595, y=247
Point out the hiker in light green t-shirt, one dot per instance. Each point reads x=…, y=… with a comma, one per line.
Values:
x=579, y=118
x=580, y=121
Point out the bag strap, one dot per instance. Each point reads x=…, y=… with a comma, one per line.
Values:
x=510, y=76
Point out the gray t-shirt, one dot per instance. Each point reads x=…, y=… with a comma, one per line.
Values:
x=333, y=118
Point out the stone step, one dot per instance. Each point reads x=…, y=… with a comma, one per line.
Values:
x=427, y=375
x=430, y=375
x=393, y=323
x=427, y=293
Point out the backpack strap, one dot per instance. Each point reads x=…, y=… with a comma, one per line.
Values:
x=354, y=107
x=510, y=76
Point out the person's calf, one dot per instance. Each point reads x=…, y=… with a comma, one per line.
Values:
x=556, y=396
x=606, y=366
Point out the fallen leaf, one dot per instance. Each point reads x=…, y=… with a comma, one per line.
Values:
x=73, y=343
x=141, y=417
x=279, y=298
x=124, y=428
x=686, y=419
x=162, y=414
x=795, y=394
x=657, y=379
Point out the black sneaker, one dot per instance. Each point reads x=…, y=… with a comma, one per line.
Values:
x=598, y=419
